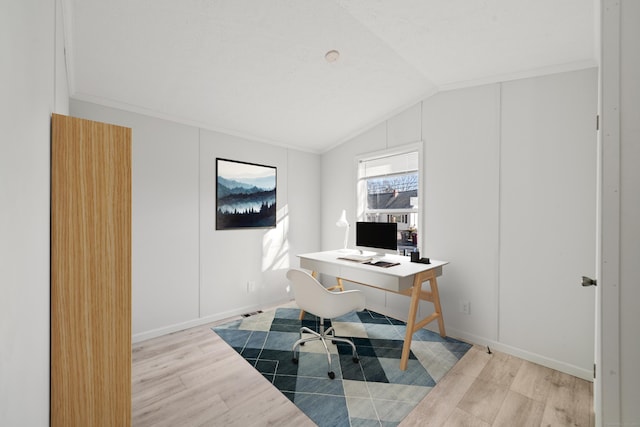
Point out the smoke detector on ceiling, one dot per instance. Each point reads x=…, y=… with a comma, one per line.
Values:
x=332, y=56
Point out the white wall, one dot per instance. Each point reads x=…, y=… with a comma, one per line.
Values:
x=242, y=270
x=185, y=272
x=31, y=90
x=165, y=229
x=509, y=184
x=462, y=167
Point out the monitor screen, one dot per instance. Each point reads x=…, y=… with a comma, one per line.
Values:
x=377, y=236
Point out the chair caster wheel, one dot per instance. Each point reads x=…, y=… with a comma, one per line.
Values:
x=332, y=375
x=301, y=343
x=295, y=360
x=356, y=360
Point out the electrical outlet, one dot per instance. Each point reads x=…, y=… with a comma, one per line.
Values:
x=464, y=307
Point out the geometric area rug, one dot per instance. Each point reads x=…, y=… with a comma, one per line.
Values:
x=373, y=392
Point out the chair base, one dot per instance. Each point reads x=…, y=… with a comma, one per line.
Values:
x=323, y=336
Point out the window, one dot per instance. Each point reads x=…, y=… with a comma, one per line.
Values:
x=388, y=189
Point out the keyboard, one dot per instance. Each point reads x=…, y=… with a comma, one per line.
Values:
x=357, y=257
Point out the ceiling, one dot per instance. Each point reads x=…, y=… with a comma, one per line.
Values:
x=257, y=68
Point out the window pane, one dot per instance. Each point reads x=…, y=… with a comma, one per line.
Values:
x=395, y=192
x=388, y=192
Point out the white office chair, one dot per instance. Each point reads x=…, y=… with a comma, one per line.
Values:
x=313, y=298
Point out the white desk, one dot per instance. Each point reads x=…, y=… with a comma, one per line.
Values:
x=406, y=279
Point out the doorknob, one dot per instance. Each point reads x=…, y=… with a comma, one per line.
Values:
x=588, y=281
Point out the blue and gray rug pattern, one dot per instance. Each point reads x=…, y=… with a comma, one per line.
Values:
x=373, y=392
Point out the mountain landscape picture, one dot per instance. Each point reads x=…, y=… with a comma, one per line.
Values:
x=245, y=195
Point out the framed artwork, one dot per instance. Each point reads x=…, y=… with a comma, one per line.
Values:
x=245, y=195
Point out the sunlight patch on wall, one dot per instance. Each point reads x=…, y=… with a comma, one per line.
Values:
x=275, y=243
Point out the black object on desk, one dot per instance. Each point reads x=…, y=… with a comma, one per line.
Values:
x=415, y=257
x=383, y=264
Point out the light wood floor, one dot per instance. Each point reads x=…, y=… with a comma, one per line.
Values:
x=193, y=378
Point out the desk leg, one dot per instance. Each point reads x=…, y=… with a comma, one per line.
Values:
x=411, y=321
x=436, y=305
x=339, y=285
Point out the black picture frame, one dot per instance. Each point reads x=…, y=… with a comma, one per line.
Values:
x=245, y=195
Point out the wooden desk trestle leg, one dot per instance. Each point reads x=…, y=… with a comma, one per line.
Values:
x=418, y=294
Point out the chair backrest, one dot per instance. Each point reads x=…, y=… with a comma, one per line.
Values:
x=313, y=298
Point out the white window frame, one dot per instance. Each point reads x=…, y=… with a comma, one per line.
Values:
x=361, y=190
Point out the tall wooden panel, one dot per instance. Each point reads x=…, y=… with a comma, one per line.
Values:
x=90, y=273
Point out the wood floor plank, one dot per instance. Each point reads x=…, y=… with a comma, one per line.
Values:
x=533, y=381
x=191, y=405
x=436, y=408
x=195, y=378
x=569, y=401
x=282, y=414
x=460, y=418
x=519, y=410
x=473, y=362
x=167, y=343
x=146, y=394
x=452, y=388
x=162, y=364
x=501, y=369
x=429, y=413
x=583, y=398
x=202, y=411
x=484, y=399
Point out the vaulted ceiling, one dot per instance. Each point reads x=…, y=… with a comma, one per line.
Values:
x=257, y=68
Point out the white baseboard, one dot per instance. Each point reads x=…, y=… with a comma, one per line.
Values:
x=567, y=368
x=154, y=333
x=585, y=374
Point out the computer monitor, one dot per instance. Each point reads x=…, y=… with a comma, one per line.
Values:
x=380, y=237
